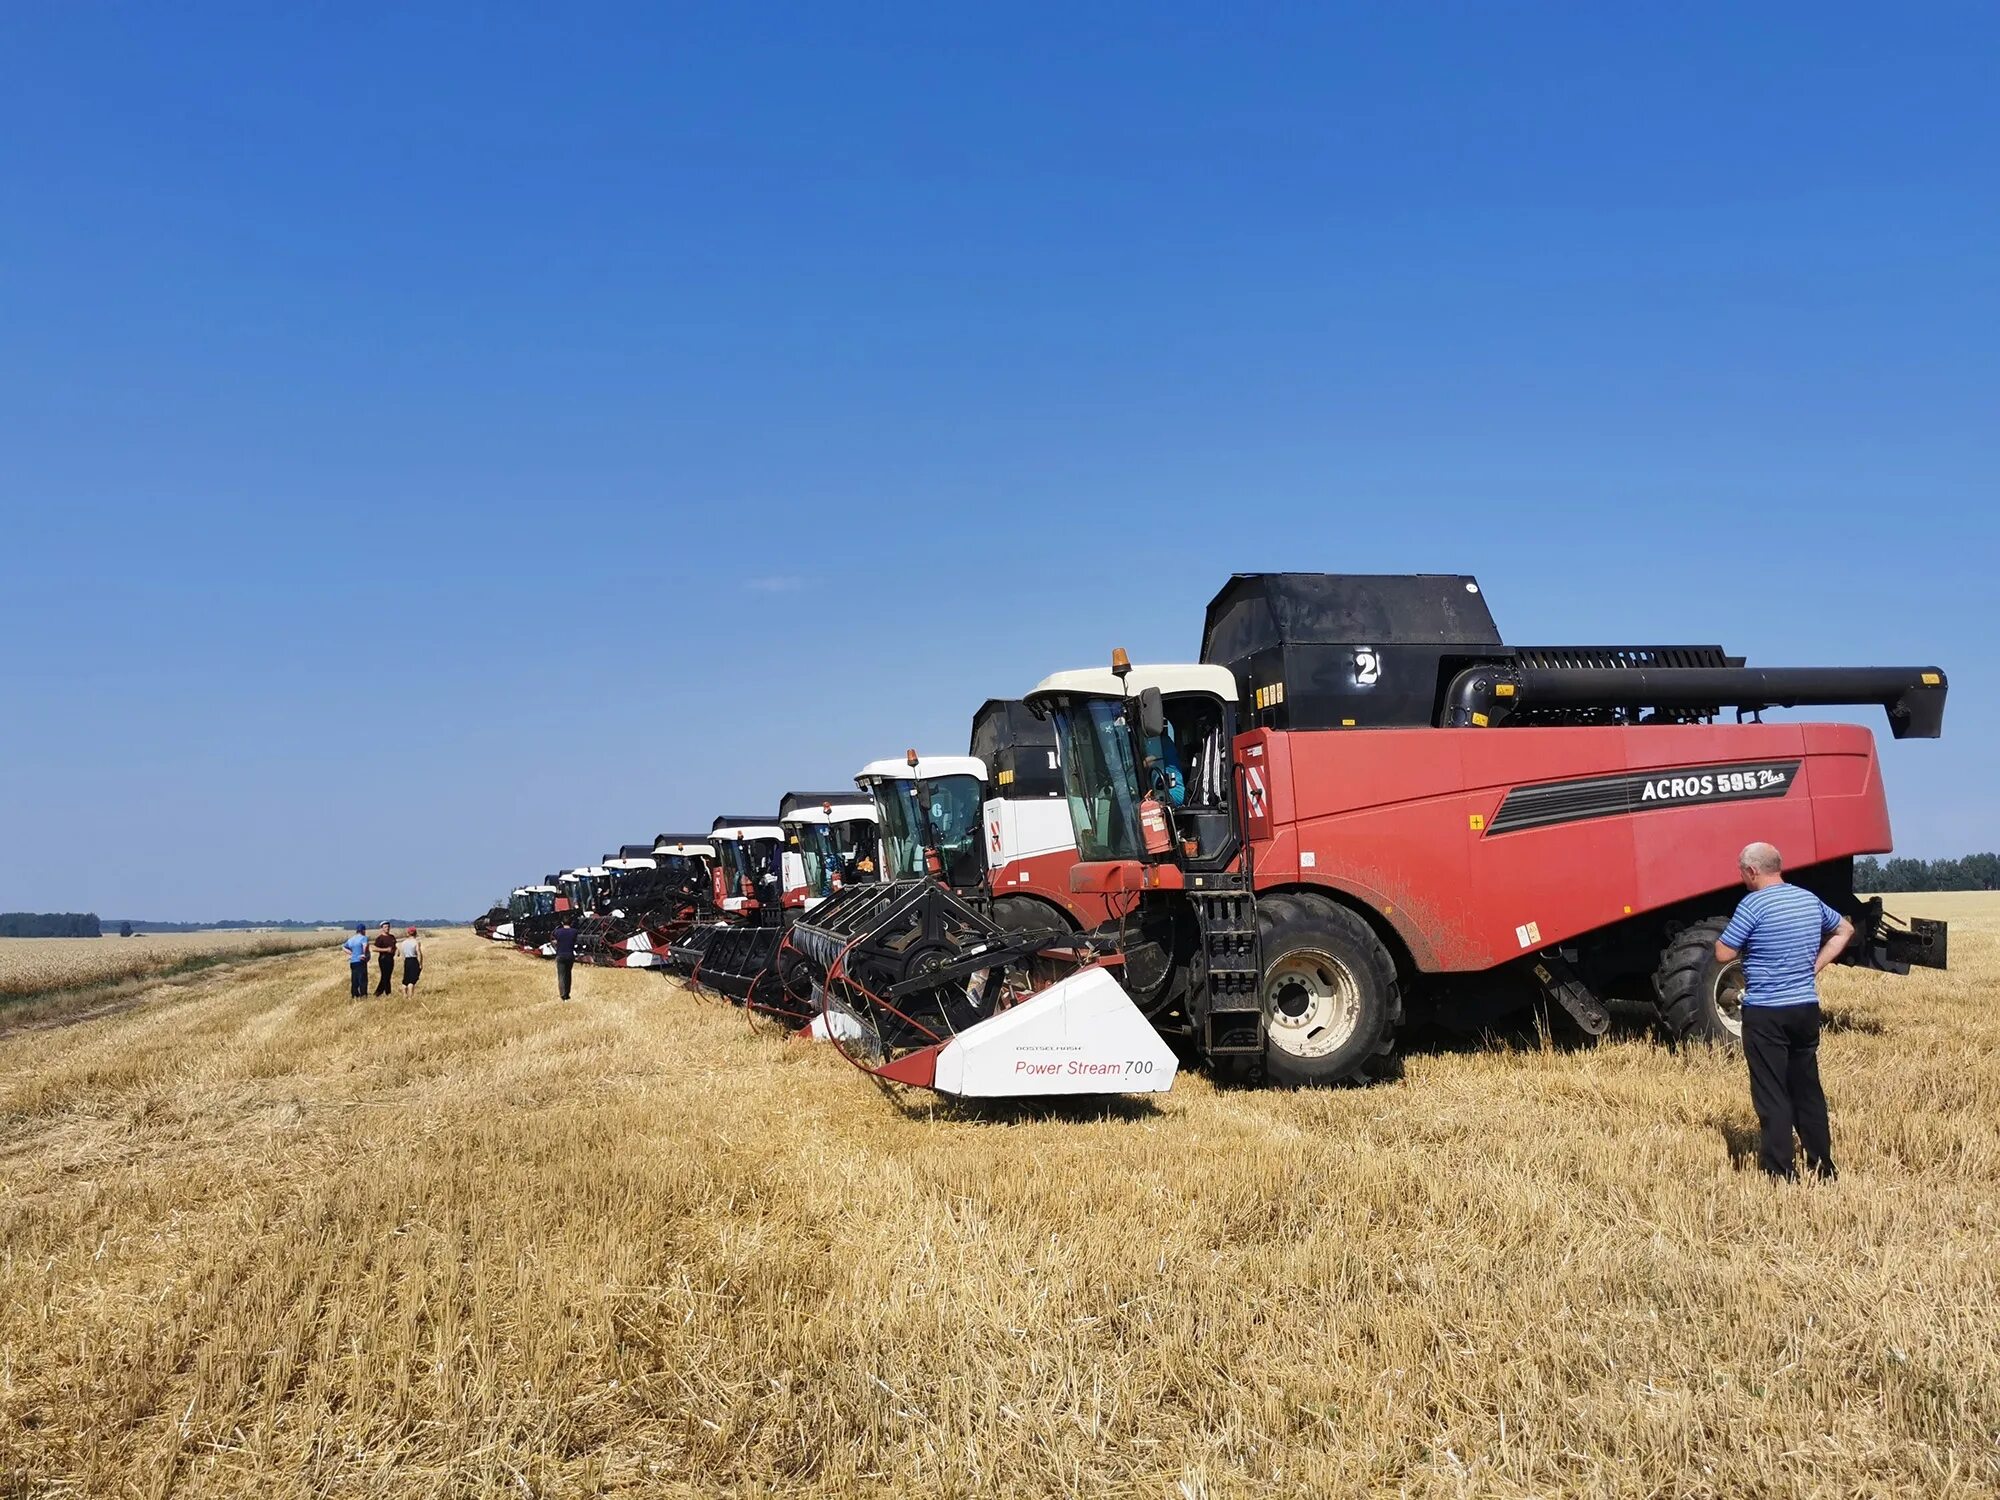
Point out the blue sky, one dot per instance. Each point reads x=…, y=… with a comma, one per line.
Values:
x=438, y=443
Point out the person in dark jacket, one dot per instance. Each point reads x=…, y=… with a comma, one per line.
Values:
x=385, y=957
x=565, y=941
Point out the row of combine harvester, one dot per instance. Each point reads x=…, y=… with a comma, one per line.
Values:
x=1359, y=811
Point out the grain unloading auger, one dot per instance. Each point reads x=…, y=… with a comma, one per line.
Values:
x=917, y=981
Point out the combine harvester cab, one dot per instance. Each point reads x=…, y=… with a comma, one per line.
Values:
x=916, y=982
x=1361, y=804
x=738, y=954
x=831, y=842
x=1029, y=845
x=683, y=897
x=543, y=907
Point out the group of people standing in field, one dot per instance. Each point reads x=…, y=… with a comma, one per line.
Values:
x=386, y=947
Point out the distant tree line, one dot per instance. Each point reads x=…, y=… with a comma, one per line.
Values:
x=1974, y=872
x=50, y=924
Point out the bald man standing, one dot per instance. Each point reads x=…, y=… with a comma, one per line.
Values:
x=1785, y=935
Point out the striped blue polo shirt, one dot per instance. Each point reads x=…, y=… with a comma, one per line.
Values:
x=1779, y=931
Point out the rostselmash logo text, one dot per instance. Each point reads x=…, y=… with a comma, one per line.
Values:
x=1710, y=784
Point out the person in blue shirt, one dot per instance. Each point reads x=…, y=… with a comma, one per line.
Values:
x=357, y=961
x=1785, y=935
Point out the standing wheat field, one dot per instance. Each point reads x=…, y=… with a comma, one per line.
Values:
x=36, y=966
x=257, y=1238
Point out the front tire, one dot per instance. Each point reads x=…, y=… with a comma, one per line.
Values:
x=1025, y=914
x=1329, y=992
x=1700, y=1000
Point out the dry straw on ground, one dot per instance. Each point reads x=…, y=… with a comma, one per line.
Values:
x=258, y=1239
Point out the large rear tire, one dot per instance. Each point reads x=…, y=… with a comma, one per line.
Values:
x=1700, y=1000
x=1329, y=991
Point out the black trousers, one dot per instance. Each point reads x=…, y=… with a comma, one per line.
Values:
x=357, y=977
x=563, y=967
x=1782, y=1045
x=387, y=963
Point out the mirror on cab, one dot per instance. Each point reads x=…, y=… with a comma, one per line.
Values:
x=1152, y=713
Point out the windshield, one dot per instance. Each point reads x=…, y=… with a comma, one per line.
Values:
x=735, y=862
x=857, y=848
x=1100, y=777
x=845, y=849
x=766, y=856
x=545, y=903
x=951, y=804
x=678, y=870
x=812, y=840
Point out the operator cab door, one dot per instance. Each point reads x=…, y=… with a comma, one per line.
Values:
x=1195, y=763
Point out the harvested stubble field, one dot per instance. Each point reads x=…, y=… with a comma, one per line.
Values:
x=259, y=1239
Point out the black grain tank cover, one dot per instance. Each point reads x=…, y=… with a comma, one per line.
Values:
x=635, y=851
x=678, y=838
x=1018, y=748
x=747, y=820
x=810, y=801
x=1354, y=650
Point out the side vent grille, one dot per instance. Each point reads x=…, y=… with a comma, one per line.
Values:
x=1558, y=658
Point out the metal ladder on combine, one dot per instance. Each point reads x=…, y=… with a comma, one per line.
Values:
x=1233, y=1023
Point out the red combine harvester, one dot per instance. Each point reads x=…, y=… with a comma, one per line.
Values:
x=626, y=896
x=736, y=954
x=542, y=909
x=1361, y=805
x=683, y=896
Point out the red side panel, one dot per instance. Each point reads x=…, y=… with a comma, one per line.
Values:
x=1405, y=820
x=1850, y=810
x=1380, y=814
x=1048, y=876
